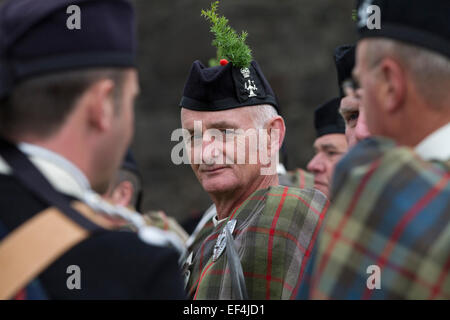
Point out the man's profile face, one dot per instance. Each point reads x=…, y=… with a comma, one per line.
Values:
x=220, y=171
x=354, y=117
x=122, y=128
x=329, y=150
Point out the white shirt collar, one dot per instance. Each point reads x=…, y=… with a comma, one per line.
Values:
x=436, y=146
x=281, y=169
x=62, y=174
x=216, y=222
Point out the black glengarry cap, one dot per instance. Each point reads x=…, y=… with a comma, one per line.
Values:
x=226, y=87
x=344, y=58
x=35, y=39
x=417, y=22
x=327, y=119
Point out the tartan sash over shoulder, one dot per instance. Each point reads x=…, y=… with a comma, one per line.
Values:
x=390, y=209
x=274, y=234
x=297, y=178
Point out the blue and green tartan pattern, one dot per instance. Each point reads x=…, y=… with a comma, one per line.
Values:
x=391, y=209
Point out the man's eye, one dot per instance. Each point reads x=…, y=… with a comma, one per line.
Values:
x=332, y=153
x=227, y=132
x=352, y=118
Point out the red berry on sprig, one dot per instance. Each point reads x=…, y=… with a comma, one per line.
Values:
x=223, y=62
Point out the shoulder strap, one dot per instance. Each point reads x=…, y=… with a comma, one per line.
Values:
x=33, y=246
x=40, y=241
x=31, y=178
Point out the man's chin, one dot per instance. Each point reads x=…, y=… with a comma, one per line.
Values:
x=218, y=188
x=218, y=185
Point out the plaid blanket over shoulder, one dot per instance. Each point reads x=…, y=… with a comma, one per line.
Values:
x=297, y=178
x=274, y=234
x=390, y=209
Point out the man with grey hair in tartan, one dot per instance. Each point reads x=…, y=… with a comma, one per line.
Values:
x=273, y=227
x=262, y=234
x=387, y=233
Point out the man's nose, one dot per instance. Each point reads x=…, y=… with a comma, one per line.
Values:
x=210, y=150
x=316, y=165
x=361, y=129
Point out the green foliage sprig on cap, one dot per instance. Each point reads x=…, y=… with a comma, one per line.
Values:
x=229, y=44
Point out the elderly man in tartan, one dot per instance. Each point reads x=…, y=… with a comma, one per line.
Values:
x=387, y=234
x=261, y=236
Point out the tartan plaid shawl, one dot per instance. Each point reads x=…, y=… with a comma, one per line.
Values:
x=297, y=178
x=391, y=209
x=275, y=230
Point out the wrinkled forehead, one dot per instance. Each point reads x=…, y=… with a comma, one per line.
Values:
x=225, y=119
x=349, y=104
x=331, y=141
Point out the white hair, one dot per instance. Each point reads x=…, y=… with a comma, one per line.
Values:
x=261, y=114
x=429, y=70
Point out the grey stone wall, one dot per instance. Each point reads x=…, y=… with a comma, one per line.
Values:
x=292, y=40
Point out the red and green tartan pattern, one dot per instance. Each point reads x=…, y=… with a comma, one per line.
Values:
x=391, y=209
x=297, y=178
x=274, y=235
x=207, y=229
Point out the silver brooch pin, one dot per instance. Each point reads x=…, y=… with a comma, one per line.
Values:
x=221, y=242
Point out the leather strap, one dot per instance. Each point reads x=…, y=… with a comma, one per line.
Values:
x=32, y=179
x=33, y=246
x=36, y=244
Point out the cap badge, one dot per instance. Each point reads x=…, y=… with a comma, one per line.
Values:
x=249, y=84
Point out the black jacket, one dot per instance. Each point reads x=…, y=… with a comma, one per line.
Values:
x=113, y=264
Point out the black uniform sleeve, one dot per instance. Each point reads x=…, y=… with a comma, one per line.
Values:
x=116, y=265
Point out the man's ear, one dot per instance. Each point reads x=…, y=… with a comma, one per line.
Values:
x=123, y=193
x=394, y=84
x=100, y=104
x=276, y=130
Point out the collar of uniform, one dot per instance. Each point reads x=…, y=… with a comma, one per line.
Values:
x=62, y=174
x=436, y=146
